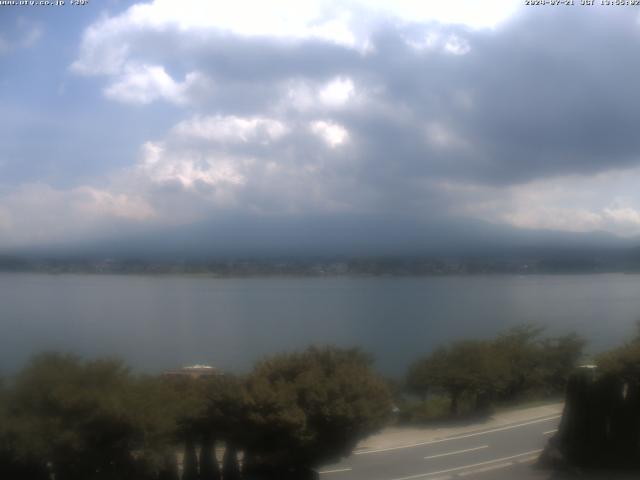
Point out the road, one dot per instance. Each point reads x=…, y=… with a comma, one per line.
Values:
x=504, y=452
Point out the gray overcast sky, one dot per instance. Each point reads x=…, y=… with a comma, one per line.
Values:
x=118, y=117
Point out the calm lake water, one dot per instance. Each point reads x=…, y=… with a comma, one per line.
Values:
x=161, y=322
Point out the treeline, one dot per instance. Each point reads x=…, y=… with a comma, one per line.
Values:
x=363, y=266
x=67, y=418
x=470, y=376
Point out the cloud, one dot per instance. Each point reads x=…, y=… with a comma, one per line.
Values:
x=434, y=41
x=332, y=133
x=114, y=42
x=368, y=107
x=243, y=164
x=441, y=136
x=606, y=201
x=202, y=166
x=142, y=84
x=232, y=128
x=189, y=170
x=337, y=92
x=38, y=214
x=480, y=15
x=25, y=35
x=31, y=36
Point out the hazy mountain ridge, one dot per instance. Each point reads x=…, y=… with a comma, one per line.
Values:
x=358, y=245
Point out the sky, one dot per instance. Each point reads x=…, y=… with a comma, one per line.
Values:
x=122, y=117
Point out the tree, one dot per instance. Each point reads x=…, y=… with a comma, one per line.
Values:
x=13, y=463
x=74, y=415
x=230, y=468
x=537, y=364
x=465, y=368
x=156, y=410
x=209, y=468
x=169, y=468
x=522, y=352
x=224, y=406
x=422, y=376
x=623, y=361
x=208, y=409
x=193, y=427
x=560, y=356
x=307, y=408
x=190, y=461
x=223, y=419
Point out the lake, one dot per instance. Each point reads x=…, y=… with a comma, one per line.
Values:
x=160, y=322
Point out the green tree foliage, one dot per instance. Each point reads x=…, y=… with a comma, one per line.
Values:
x=536, y=363
x=14, y=463
x=421, y=378
x=93, y=419
x=206, y=408
x=155, y=409
x=189, y=397
x=623, y=361
x=518, y=362
x=225, y=407
x=521, y=349
x=75, y=415
x=466, y=368
x=311, y=407
x=560, y=356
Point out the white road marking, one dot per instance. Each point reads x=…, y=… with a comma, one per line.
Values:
x=528, y=459
x=486, y=469
x=549, y=432
x=466, y=467
x=459, y=437
x=337, y=470
x=456, y=452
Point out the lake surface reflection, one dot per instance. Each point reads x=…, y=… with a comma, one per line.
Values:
x=161, y=322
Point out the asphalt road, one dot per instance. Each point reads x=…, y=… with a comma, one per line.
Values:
x=504, y=453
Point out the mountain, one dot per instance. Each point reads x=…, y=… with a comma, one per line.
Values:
x=327, y=239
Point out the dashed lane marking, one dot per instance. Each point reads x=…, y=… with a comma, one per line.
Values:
x=336, y=470
x=489, y=468
x=456, y=452
x=502, y=460
x=532, y=458
x=459, y=437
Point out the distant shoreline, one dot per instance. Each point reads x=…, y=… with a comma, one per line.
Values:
x=275, y=275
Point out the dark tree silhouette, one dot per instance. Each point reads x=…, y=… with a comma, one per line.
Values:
x=209, y=468
x=600, y=425
x=169, y=468
x=190, y=460
x=230, y=467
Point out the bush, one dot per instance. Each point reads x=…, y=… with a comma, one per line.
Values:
x=308, y=408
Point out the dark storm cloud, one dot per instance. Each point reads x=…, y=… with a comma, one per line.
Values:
x=550, y=92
